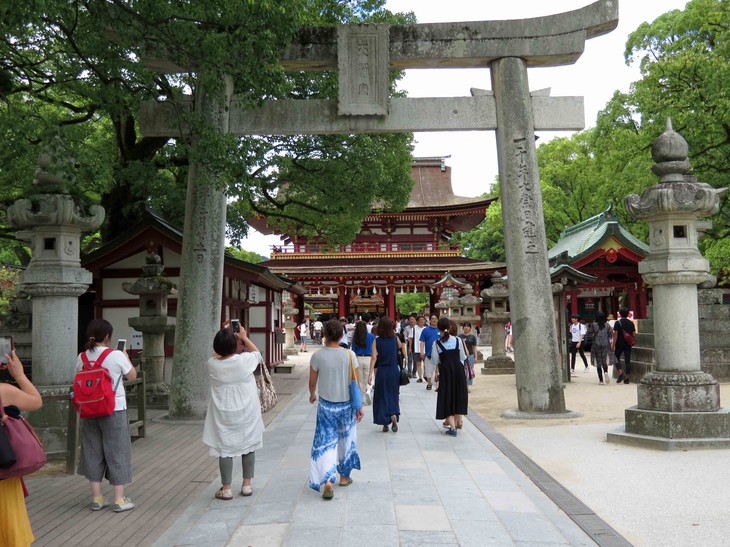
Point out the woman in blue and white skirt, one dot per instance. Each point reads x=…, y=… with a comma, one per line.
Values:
x=334, y=448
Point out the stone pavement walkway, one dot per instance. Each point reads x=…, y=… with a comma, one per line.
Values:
x=417, y=486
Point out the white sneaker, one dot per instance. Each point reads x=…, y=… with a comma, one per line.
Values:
x=99, y=505
x=125, y=505
x=608, y=378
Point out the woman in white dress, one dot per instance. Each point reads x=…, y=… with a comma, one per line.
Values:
x=233, y=424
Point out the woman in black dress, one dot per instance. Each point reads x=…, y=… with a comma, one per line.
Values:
x=449, y=356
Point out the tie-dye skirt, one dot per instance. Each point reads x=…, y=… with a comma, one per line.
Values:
x=334, y=448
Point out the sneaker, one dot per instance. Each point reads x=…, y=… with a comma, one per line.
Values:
x=124, y=504
x=451, y=432
x=600, y=382
x=97, y=505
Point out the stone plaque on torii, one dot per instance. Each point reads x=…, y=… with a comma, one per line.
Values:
x=363, y=54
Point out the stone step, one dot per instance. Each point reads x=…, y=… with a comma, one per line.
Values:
x=284, y=368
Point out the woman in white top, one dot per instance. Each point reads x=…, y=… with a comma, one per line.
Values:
x=303, y=335
x=106, y=445
x=233, y=424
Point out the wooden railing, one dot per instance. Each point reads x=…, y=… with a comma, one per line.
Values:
x=373, y=247
x=71, y=453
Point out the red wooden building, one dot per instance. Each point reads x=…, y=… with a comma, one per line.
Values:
x=394, y=252
x=601, y=247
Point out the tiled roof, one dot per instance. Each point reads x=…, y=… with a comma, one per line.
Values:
x=585, y=237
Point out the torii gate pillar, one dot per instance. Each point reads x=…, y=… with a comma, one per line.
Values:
x=539, y=385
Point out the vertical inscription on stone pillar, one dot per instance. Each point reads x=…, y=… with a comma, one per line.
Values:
x=526, y=200
x=201, y=234
x=362, y=59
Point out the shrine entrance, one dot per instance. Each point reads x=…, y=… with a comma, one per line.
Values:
x=363, y=55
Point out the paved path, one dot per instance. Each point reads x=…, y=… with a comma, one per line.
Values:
x=417, y=486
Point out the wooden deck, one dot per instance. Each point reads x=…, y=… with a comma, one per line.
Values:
x=171, y=467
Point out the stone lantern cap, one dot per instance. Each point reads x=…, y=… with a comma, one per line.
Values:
x=152, y=281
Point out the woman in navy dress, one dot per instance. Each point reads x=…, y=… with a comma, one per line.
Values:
x=384, y=366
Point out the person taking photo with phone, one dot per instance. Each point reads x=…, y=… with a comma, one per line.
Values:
x=14, y=523
x=106, y=444
x=233, y=424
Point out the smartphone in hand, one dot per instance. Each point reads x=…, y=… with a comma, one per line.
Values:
x=236, y=325
x=121, y=344
x=6, y=348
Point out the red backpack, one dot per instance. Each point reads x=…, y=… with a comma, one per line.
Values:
x=92, y=392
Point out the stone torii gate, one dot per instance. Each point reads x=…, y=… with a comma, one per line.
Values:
x=363, y=54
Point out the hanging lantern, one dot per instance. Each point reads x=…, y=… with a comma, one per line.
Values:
x=358, y=291
x=401, y=289
x=331, y=291
x=415, y=290
x=375, y=290
x=387, y=291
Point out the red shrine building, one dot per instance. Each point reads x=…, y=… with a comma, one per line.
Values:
x=604, y=249
x=394, y=252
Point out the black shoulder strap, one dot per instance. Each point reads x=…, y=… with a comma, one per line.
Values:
x=440, y=345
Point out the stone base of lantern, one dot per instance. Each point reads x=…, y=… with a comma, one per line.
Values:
x=676, y=411
x=291, y=351
x=498, y=365
x=157, y=394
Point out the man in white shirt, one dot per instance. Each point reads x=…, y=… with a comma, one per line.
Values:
x=350, y=329
x=317, y=327
x=577, y=335
x=418, y=361
x=408, y=335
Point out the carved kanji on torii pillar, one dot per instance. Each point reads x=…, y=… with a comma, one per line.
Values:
x=363, y=54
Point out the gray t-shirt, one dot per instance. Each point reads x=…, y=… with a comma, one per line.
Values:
x=333, y=366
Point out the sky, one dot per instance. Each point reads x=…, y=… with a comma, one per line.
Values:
x=597, y=74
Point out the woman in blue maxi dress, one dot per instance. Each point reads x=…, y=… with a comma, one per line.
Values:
x=385, y=368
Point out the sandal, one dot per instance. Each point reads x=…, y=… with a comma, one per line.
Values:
x=246, y=490
x=394, y=421
x=222, y=494
x=347, y=483
x=328, y=493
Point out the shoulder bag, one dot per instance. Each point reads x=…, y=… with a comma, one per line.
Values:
x=26, y=454
x=267, y=393
x=355, y=393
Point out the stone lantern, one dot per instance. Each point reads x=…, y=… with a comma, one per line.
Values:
x=289, y=312
x=678, y=404
x=52, y=223
x=153, y=289
x=497, y=295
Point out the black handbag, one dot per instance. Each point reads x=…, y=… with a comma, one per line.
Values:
x=404, y=380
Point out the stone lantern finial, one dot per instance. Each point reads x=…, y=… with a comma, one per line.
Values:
x=670, y=152
x=55, y=167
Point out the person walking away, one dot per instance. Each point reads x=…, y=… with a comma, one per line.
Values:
x=577, y=335
x=453, y=399
x=318, y=326
x=15, y=529
x=233, y=424
x=106, y=445
x=362, y=345
x=470, y=341
x=428, y=336
x=385, y=369
x=602, y=341
x=508, y=337
x=335, y=436
x=350, y=329
x=303, y=335
x=620, y=346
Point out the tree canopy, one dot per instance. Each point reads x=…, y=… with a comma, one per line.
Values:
x=78, y=68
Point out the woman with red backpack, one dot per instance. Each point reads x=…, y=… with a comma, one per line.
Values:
x=106, y=446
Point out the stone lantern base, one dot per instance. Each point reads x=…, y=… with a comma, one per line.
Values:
x=676, y=411
x=499, y=364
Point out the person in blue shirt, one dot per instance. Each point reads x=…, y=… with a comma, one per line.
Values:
x=362, y=345
x=428, y=336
